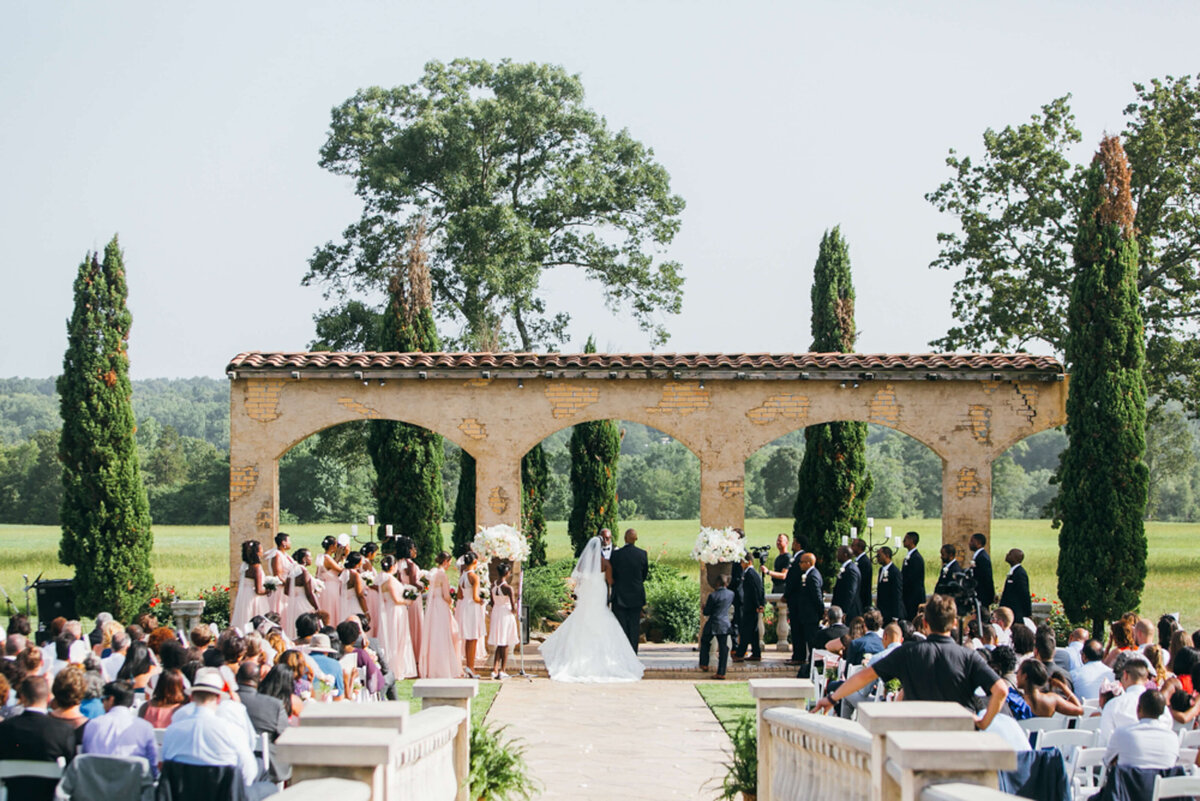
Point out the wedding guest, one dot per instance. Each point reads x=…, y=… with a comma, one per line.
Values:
x=302, y=678
x=468, y=611
x=1120, y=639
x=93, y=703
x=67, y=692
x=502, y=633
x=279, y=564
x=301, y=589
x=96, y=638
x=8, y=705
x=1121, y=710
x=168, y=696
x=251, y=590
x=323, y=654
x=409, y=573
x=111, y=664
x=392, y=629
x=869, y=642
x=1146, y=744
x=35, y=735
x=717, y=624
x=1046, y=696
x=268, y=712
x=1143, y=633
x=118, y=732
x=354, y=589
x=329, y=571
x=441, y=645
x=138, y=668
x=31, y=661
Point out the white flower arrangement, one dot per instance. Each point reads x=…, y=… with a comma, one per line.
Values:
x=500, y=542
x=318, y=586
x=717, y=545
x=272, y=583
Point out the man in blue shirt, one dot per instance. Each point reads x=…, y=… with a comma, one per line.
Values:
x=323, y=653
x=869, y=643
x=119, y=732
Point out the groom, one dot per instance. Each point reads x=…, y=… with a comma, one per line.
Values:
x=630, y=567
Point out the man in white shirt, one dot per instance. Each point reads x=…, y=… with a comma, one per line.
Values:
x=1143, y=633
x=119, y=732
x=1074, y=648
x=113, y=662
x=1088, y=677
x=228, y=710
x=204, y=737
x=1147, y=743
x=1122, y=711
x=1002, y=621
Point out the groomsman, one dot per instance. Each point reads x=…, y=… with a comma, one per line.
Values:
x=806, y=607
x=845, y=591
x=981, y=570
x=863, y=559
x=889, y=594
x=1016, y=586
x=951, y=569
x=754, y=600
x=912, y=575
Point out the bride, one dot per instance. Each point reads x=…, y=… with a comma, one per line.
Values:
x=590, y=645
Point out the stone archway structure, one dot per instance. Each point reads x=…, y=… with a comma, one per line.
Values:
x=968, y=409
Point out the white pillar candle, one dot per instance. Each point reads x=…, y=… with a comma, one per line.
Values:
x=899, y=541
x=845, y=539
x=853, y=531
x=887, y=532
x=354, y=530
x=370, y=520
x=870, y=522
x=388, y=528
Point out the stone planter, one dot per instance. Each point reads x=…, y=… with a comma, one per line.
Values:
x=186, y=614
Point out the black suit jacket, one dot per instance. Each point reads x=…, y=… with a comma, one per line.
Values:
x=630, y=566
x=791, y=580
x=753, y=595
x=985, y=585
x=889, y=593
x=865, y=571
x=716, y=609
x=39, y=737
x=1016, y=594
x=845, y=591
x=951, y=570
x=267, y=715
x=912, y=579
x=810, y=603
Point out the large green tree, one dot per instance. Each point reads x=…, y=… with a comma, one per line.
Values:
x=516, y=177
x=105, y=515
x=595, y=450
x=1019, y=209
x=535, y=480
x=408, y=458
x=1102, y=501
x=833, y=477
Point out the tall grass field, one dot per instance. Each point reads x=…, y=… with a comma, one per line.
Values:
x=193, y=557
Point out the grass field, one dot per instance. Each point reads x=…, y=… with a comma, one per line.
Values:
x=728, y=701
x=191, y=557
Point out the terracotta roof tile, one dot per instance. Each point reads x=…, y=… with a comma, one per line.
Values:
x=317, y=362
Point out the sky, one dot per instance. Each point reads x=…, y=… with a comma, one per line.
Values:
x=192, y=130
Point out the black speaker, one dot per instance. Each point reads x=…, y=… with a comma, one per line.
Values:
x=55, y=598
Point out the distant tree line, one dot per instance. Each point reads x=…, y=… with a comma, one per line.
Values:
x=183, y=439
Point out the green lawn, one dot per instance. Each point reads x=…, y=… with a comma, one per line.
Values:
x=191, y=557
x=479, y=705
x=727, y=700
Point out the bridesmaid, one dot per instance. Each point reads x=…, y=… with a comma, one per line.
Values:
x=441, y=655
x=302, y=594
x=252, y=597
x=354, y=590
x=410, y=574
x=392, y=628
x=280, y=565
x=367, y=570
x=503, y=631
x=469, y=611
x=329, y=571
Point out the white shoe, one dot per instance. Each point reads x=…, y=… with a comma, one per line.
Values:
x=504, y=676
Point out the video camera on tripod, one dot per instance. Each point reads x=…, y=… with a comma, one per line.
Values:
x=760, y=552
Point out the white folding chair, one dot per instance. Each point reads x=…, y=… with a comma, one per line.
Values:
x=1187, y=758
x=1086, y=770
x=1088, y=723
x=1175, y=787
x=1068, y=741
x=264, y=751
x=1038, y=725
x=28, y=769
x=1189, y=738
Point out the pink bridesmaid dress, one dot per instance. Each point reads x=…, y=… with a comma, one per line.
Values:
x=410, y=574
x=503, y=629
x=278, y=599
x=374, y=604
x=349, y=603
x=298, y=602
x=248, y=604
x=330, y=599
x=392, y=630
x=468, y=613
x=441, y=650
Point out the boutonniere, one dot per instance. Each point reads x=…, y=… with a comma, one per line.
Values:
x=841, y=570
x=883, y=576
x=804, y=580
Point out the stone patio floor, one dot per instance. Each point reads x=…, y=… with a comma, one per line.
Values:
x=643, y=740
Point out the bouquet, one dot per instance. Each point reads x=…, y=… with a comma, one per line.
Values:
x=318, y=586
x=454, y=593
x=717, y=545
x=323, y=686
x=424, y=579
x=500, y=542
x=481, y=570
x=272, y=583
x=368, y=579
x=409, y=592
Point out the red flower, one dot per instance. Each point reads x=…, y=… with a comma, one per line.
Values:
x=154, y=602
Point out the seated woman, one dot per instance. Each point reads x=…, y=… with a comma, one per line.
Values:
x=67, y=694
x=168, y=696
x=1044, y=695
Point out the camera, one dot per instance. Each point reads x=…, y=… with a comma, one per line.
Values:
x=961, y=589
x=760, y=552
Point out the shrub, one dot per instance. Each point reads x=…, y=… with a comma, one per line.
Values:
x=742, y=768
x=498, y=769
x=545, y=590
x=216, y=606
x=159, y=602
x=674, y=607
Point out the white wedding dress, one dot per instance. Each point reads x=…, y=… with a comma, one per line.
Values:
x=590, y=645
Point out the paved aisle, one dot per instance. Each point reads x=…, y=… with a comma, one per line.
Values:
x=644, y=740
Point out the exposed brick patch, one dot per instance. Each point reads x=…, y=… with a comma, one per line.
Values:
x=1028, y=393
x=567, y=399
x=242, y=481
x=266, y=516
x=790, y=407
x=473, y=428
x=734, y=488
x=359, y=408
x=262, y=398
x=990, y=387
x=498, y=500
x=979, y=422
x=968, y=483
x=477, y=382
x=681, y=399
x=885, y=408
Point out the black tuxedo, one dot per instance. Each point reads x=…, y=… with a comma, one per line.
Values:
x=1016, y=594
x=38, y=737
x=985, y=585
x=630, y=566
x=951, y=571
x=735, y=586
x=912, y=579
x=864, y=585
x=805, y=613
x=889, y=593
x=718, y=624
x=845, y=591
x=753, y=598
x=792, y=581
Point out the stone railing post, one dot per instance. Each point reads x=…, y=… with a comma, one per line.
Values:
x=881, y=719
x=456, y=693
x=782, y=624
x=770, y=694
x=920, y=759
x=392, y=715
x=346, y=752
x=322, y=789
x=187, y=614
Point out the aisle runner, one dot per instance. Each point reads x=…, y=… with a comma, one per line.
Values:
x=649, y=739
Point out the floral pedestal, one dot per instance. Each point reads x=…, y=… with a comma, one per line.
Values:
x=186, y=614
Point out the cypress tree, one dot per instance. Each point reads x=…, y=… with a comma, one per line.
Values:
x=1103, y=478
x=408, y=458
x=833, y=477
x=535, y=477
x=105, y=515
x=464, y=504
x=595, y=449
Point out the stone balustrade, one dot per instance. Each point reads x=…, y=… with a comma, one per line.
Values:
x=324, y=789
x=782, y=625
x=958, y=791
x=776, y=694
x=815, y=757
x=456, y=693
